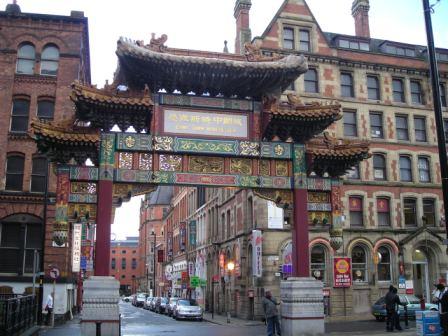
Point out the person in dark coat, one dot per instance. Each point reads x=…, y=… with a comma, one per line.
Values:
x=392, y=303
x=271, y=313
x=444, y=313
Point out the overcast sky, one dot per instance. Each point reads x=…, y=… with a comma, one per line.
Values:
x=205, y=24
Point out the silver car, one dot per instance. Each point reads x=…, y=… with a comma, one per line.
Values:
x=170, y=306
x=187, y=309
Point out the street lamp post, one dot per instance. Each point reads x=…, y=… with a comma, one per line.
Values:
x=154, y=263
x=437, y=107
x=230, y=268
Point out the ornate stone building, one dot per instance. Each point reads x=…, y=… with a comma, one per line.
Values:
x=40, y=56
x=392, y=205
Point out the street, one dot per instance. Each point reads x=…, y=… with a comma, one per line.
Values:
x=138, y=322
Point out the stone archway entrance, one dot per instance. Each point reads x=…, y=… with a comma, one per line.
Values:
x=422, y=267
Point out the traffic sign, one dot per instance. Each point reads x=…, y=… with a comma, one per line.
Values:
x=54, y=273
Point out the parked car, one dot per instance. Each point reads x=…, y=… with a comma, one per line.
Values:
x=412, y=303
x=134, y=299
x=171, y=303
x=147, y=302
x=141, y=298
x=187, y=309
x=160, y=305
x=127, y=298
x=152, y=304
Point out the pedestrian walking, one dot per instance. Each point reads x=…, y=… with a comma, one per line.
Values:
x=271, y=313
x=49, y=309
x=392, y=308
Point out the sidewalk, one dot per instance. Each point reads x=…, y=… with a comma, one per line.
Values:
x=222, y=320
x=70, y=328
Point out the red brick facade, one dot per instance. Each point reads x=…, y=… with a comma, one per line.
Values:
x=125, y=264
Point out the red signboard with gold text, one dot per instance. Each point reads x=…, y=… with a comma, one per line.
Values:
x=342, y=272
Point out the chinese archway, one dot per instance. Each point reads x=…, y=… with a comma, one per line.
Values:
x=199, y=119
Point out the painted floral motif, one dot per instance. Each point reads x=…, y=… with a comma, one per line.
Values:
x=163, y=143
x=125, y=160
x=206, y=165
x=145, y=161
x=241, y=166
x=249, y=148
x=170, y=162
x=83, y=188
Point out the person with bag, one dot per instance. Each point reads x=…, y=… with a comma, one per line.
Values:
x=271, y=313
x=49, y=309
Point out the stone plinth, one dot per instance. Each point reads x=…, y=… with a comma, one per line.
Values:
x=302, y=309
x=100, y=306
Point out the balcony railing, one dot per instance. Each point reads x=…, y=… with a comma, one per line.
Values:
x=17, y=313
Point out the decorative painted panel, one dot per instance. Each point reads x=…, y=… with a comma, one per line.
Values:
x=83, y=198
x=299, y=164
x=319, y=217
x=318, y=197
x=163, y=143
x=80, y=210
x=249, y=148
x=319, y=206
x=125, y=160
x=277, y=150
x=336, y=202
x=264, y=167
x=206, y=146
x=204, y=164
x=281, y=168
x=219, y=103
x=145, y=161
x=241, y=166
x=83, y=188
x=62, y=198
x=314, y=183
x=107, y=156
x=84, y=173
x=170, y=162
x=134, y=142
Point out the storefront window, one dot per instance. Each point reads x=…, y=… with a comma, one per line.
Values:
x=359, y=264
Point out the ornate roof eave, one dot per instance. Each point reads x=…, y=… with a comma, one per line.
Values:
x=201, y=72
x=335, y=156
x=297, y=120
x=63, y=141
x=104, y=108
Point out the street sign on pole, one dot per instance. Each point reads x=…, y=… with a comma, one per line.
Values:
x=54, y=273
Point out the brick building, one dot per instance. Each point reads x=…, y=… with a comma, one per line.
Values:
x=40, y=56
x=153, y=209
x=393, y=225
x=125, y=263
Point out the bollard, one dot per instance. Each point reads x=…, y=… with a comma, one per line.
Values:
x=98, y=328
x=228, y=317
x=406, y=320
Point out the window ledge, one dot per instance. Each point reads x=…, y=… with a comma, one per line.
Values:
x=18, y=136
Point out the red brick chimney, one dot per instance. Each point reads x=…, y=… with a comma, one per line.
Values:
x=360, y=12
x=243, y=33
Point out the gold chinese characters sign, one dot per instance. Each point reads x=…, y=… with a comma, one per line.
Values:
x=206, y=124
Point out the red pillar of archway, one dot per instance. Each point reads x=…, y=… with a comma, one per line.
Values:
x=300, y=239
x=103, y=227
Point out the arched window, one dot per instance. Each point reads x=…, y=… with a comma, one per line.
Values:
x=38, y=174
x=14, y=172
x=26, y=57
x=19, y=115
x=49, y=61
x=318, y=258
x=20, y=236
x=384, y=264
x=359, y=264
x=45, y=109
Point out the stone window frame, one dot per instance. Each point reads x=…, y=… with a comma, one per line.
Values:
x=302, y=41
x=350, y=126
x=350, y=85
x=424, y=218
x=377, y=127
x=428, y=159
x=392, y=261
x=296, y=36
x=113, y=263
x=422, y=131
x=412, y=199
x=45, y=100
x=362, y=199
x=416, y=92
x=398, y=91
x=392, y=208
x=443, y=94
x=377, y=88
x=361, y=266
x=288, y=39
x=312, y=81
x=406, y=118
x=384, y=169
x=389, y=216
x=403, y=169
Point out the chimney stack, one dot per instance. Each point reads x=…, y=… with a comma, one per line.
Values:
x=243, y=33
x=360, y=12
